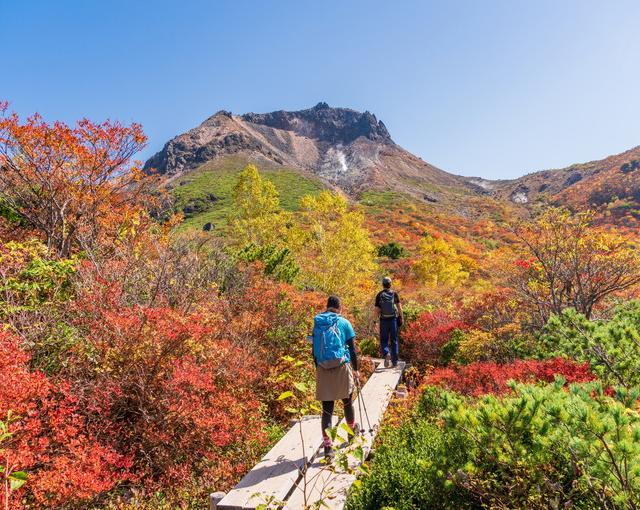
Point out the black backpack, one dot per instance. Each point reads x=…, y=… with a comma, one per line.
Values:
x=387, y=304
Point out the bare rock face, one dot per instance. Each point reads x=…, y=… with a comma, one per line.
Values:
x=325, y=124
x=354, y=151
x=342, y=147
x=316, y=138
x=213, y=138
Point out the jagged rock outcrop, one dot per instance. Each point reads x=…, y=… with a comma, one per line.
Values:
x=325, y=124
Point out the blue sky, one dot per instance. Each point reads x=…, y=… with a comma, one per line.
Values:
x=489, y=88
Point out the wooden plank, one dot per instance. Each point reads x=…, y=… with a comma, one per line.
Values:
x=278, y=471
x=332, y=488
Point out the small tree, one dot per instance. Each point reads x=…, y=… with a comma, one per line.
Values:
x=257, y=217
x=572, y=264
x=74, y=185
x=254, y=196
x=336, y=250
x=440, y=263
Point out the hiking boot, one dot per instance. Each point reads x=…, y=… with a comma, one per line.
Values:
x=356, y=432
x=387, y=361
x=395, y=364
x=329, y=454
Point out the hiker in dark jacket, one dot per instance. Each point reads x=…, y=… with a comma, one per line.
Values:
x=334, y=354
x=389, y=311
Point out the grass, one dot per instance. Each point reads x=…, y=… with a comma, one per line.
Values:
x=379, y=201
x=218, y=180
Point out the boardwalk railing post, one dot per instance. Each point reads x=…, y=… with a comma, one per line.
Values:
x=214, y=499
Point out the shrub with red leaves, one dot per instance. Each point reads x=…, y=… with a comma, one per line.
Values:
x=51, y=440
x=487, y=377
x=171, y=392
x=425, y=337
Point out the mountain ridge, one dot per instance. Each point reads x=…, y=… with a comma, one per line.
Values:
x=345, y=148
x=355, y=152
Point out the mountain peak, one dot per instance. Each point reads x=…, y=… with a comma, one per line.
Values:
x=325, y=123
x=343, y=147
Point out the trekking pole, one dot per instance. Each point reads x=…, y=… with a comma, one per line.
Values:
x=359, y=408
x=364, y=406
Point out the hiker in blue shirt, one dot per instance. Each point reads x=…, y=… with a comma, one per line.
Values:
x=334, y=354
x=389, y=310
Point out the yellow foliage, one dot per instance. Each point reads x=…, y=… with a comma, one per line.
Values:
x=476, y=345
x=440, y=263
x=257, y=216
x=336, y=253
x=327, y=239
x=254, y=196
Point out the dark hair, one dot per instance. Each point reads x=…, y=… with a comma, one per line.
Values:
x=333, y=302
x=386, y=282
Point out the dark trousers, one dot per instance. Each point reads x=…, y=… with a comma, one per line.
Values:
x=389, y=338
x=327, y=414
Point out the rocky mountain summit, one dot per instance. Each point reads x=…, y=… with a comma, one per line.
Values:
x=325, y=124
x=342, y=147
x=351, y=150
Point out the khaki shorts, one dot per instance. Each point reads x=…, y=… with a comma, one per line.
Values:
x=334, y=383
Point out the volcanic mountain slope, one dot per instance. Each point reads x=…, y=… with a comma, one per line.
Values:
x=610, y=186
x=307, y=150
x=339, y=147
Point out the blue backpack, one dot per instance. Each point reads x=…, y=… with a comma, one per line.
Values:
x=328, y=347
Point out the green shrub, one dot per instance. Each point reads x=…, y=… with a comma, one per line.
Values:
x=539, y=447
x=31, y=280
x=279, y=263
x=392, y=251
x=433, y=401
x=369, y=346
x=612, y=347
x=411, y=310
x=490, y=244
x=544, y=444
x=9, y=214
x=450, y=349
x=410, y=470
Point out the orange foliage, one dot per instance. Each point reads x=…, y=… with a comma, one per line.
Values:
x=76, y=186
x=569, y=263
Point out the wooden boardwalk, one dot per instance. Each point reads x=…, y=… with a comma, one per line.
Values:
x=332, y=487
x=276, y=479
x=279, y=470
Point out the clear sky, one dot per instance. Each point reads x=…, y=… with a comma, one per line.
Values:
x=479, y=87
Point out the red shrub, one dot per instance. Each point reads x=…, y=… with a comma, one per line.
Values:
x=487, y=377
x=493, y=308
x=425, y=337
x=168, y=388
x=51, y=439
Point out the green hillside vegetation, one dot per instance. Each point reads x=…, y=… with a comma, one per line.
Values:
x=379, y=201
x=205, y=195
